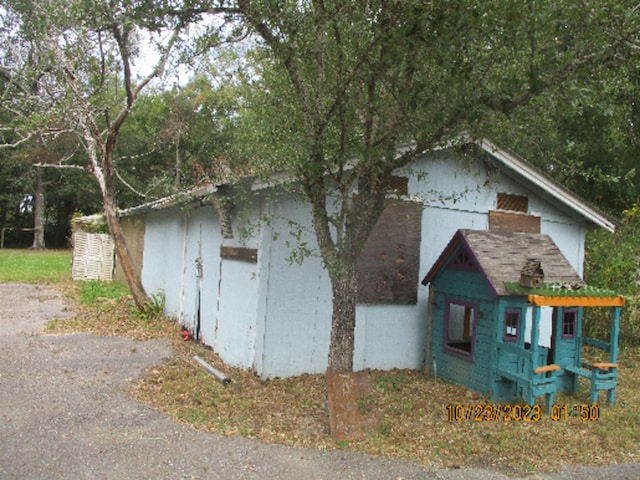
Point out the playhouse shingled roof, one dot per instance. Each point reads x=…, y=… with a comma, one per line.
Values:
x=501, y=257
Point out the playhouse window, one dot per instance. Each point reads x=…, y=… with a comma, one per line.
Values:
x=460, y=326
x=511, y=326
x=569, y=323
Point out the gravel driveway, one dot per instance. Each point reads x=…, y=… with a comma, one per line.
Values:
x=64, y=414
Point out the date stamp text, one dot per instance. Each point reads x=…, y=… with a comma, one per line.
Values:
x=519, y=413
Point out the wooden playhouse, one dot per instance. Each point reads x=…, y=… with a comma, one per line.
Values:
x=506, y=313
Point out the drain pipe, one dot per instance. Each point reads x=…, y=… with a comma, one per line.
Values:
x=216, y=373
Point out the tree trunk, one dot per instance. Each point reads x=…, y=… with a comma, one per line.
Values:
x=38, y=212
x=132, y=278
x=344, y=388
x=343, y=320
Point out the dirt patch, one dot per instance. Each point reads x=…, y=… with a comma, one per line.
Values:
x=26, y=308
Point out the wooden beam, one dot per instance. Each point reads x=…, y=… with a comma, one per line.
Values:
x=547, y=368
x=570, y=301
x=238, y=253
x=432, y=304
x=513, y=222
x=604, y=365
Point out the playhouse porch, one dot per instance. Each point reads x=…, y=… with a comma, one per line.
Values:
x=528, y=370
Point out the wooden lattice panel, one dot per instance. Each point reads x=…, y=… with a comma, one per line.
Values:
x=399, y=185
x=93, y=256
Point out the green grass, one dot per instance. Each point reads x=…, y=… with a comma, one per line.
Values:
x=93, y=290
x=30, y=266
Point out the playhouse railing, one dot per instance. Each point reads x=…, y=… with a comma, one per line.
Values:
x=602, y=375
x=517, y=364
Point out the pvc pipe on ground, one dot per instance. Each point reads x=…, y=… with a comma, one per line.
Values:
x=216, y=373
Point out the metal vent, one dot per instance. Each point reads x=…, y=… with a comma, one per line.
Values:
x=399, y=185
x=512, y=203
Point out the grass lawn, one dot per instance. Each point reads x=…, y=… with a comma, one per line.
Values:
x=30, y=266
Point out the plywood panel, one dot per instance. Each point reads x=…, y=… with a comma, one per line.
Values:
x=513, y=222
x=388, y=266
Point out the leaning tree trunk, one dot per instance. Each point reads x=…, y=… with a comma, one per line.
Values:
x=106, y=178
x=38, y=212
x=132, y=278
x=344, y=387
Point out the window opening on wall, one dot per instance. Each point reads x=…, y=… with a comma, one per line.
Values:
x=569, y=323
x=460, y=325
x=511, y=325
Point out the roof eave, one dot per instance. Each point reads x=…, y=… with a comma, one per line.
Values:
x=556, y=190
x=196, y=194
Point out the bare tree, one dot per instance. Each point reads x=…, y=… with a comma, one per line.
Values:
x=79, y=67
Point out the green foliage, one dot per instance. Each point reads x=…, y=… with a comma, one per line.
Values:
x=178, y=138
x=154, y=308
x=348, y=83
x=95, y=223
x=393, y=382
x=341, y=85
x=611, y=261
x=94, y=292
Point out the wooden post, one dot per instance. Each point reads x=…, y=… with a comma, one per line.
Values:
x=556, y=332
x=427, y=350
x=535, y=338
x=615, y=332
x=535, y=348
x=578, y=339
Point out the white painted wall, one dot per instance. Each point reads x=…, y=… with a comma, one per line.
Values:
x=203, y=240
x=475, y=192
x=163, y=257
x=294, y=314
x=275, y=316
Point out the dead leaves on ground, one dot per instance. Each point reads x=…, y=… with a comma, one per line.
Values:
x=410, y=413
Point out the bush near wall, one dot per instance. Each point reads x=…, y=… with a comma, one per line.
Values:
x=612, y=261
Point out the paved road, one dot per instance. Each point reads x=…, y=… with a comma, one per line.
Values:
x=64, y=414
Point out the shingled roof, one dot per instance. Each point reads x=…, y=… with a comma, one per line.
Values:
x=501, y=258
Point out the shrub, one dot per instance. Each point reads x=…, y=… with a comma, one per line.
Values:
x=611, y=262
